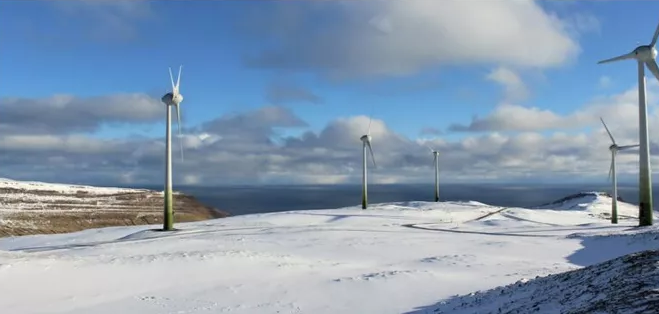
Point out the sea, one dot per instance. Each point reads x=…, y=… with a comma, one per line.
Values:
x=242, y=200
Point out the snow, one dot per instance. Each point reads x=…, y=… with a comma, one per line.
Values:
x=407, y=257
x=62, y=188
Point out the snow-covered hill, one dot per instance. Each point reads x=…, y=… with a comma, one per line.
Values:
x=392, y=258
x=38, y=207
x=597, y=203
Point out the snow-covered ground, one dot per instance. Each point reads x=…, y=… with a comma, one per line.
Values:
x=412, y=257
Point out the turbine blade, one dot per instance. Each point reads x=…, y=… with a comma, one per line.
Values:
x=610, y=177
x=178, y=80
x=178, y=124
x=372, y=156
x=652, y=65
x=654, y=38
x=171, y=78
x=431, y=150
x=618, y=58
x=627, y=146
x=607, y=131
x=368, y=131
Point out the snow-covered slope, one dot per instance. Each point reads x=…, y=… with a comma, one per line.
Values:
x=597, y=203
x=39, y=207
x=391, y=258
x=628, y=284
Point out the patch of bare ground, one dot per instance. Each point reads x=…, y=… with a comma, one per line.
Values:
x=26, y=212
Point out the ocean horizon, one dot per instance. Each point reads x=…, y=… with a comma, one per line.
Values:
x=253, y=199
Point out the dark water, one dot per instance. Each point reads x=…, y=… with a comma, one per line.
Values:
x=240, y=200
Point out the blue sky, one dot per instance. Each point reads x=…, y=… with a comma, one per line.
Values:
x=96, y=49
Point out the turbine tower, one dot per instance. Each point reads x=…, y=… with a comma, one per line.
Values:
x=614, y=148
x=366, y=142
x=171, y=99
x=645, y=56
x=436, y=162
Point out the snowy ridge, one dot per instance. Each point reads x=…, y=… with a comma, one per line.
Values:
x=62, y=188
x=597, y=203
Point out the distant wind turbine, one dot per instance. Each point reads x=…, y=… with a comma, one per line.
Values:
x=645, y=56
x=366, y=142
x=436, y=162
x=173, y=98
x=614, y=148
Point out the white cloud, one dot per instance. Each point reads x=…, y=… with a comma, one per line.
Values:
x=402, y=37
x=232, y=150
x=621, y=109
x=515, y=89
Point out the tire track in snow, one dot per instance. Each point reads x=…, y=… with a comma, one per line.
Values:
x=487, y=215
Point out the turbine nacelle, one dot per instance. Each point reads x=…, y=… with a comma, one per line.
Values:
x=172, y=100
x=366, y=138
x=645, y=53
x=614, y=148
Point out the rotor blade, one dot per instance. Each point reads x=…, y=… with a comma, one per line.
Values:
x=607, y=131
x=654, y=38
x=178, y=124
x=368, y=131
x=171, y=77
x=626, y=56
x=627, y=146
x=431, y=150
x=652, y=65
x=611, y=169
x=372, y=156
x=178, y=80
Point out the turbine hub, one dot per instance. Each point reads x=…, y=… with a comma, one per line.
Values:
x=365, y=138
x=171, y=100
x=645, y=53
x=613, y=147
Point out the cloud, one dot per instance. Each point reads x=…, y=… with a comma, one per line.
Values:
x=395, y=38
x=431, y=131
x=103, y=20
x=248, y=147
x=280, y=92
x=68, y=113
x=622, y=108
x=515, y=89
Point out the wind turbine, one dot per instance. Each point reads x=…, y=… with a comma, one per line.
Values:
x=366, y=142
x=645, y=56
x=614, y=148
x=436, y=161
x=171, y=99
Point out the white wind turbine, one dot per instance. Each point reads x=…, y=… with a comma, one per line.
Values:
x=171, y=99
x=366, y=142
x=645, y=56
x=436, y=162
x=614, y=148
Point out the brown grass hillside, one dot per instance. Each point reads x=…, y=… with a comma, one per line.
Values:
x=38, y=208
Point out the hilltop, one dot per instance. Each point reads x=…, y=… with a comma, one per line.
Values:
x=404, y=257
x=39, y=207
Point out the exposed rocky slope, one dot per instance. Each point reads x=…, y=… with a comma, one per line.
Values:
x=628, y=284
x=37, y=207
